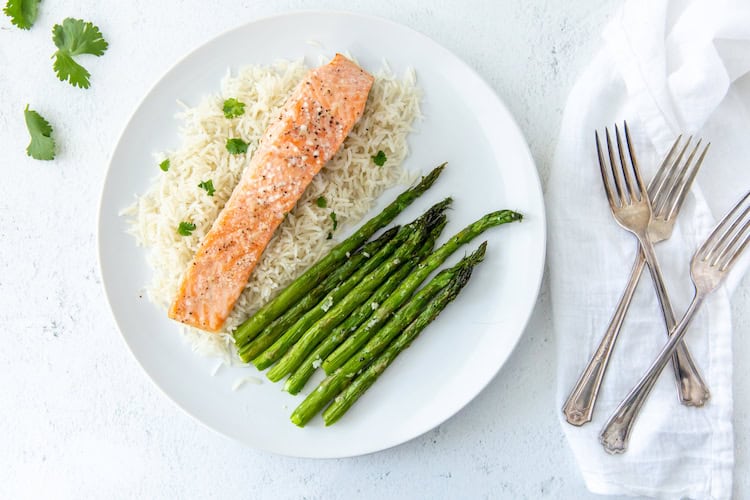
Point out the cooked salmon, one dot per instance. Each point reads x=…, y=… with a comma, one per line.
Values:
x=308, y=131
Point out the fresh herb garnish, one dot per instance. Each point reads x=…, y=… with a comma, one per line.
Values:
x=42, y=145
x=233, y=108
x=186, y=228
x=321, y=202
x=379, y=159
x=164, y=165
x=208, y=186
x=330, y=235
x=22, y=13
x=236, y=146
x=335, y=221
x=73, y=38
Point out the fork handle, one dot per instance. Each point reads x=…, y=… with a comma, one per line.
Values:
x=616, y=432
x=691, y=388
x=579, y=407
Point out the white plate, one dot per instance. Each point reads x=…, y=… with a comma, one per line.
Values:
x=489, y=168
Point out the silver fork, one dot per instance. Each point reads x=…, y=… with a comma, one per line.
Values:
x=668, y=190
x=708, y=268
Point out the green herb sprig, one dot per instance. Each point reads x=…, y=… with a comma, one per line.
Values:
x=208, y=186
x=75, y=37
x=236, y=146
x=233, y=108
x=379, y=159
x=186, y=228
x=22, y=13
x=42, y=145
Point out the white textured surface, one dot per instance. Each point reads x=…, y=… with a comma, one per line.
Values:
x=79, y=417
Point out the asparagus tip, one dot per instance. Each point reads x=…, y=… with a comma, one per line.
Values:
x=464, y=272
x=434, y=215
x=390, y=233
x=383, y=239
x=437, y=227
x=462, y=277
x=429, y=179
x=475, y=257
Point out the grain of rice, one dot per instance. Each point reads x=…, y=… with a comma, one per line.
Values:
x=246, y=380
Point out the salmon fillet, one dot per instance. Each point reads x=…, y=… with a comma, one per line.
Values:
x=307, y=132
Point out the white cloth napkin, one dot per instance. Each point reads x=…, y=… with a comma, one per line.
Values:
x=667, y=67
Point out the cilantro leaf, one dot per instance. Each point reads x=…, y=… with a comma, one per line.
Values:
x=22, y=13
x=73, y=38
x=379, y=159
x=164, y=165
x=335, y=221
x=77, y=37
x=186, y=228
x=208, y=186
x=42, y=146
x=321, y=202
x=236, y=146
x=67, y=69
x=233, y=108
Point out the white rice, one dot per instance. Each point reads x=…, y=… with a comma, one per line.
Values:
x=350, y=184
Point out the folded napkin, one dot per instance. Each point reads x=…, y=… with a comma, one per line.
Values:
x=667, y=67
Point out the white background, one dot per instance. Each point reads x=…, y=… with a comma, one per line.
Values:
x=80, y=419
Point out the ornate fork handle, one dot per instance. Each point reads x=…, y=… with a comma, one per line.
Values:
x=691, y=387
x=616, y=432
x=579, y=407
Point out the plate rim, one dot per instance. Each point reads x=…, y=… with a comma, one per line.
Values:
x=537, y=185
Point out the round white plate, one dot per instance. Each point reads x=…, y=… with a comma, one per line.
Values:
x=489, y=168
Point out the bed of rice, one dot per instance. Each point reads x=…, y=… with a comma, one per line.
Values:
x=350, y=183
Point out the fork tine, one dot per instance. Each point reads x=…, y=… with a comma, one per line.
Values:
x=729, y=250
x=722, y=247
x=685, y=187
x=642, y=192
x=603, y=169
x=674, y=180
x=625, y=170
x=616, y=172
x=660, y=174
x=736, y=255
x=657, y=182
x=720, y=229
